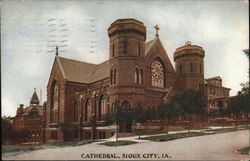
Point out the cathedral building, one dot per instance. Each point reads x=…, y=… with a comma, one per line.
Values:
x=137, y=73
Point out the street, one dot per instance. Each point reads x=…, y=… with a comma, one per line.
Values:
x=209, y=147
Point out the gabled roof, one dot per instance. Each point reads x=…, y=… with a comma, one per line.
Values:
x=39, y=109
x=149, y=45
x=207, y=81
x=34, y=99
x=213, y=78
x=82, y=72
x=27, y=110
x=156, y=42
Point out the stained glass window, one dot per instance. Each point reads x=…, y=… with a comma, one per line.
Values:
x=157, y=74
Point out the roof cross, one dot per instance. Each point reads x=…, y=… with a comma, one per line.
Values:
x=157, y=28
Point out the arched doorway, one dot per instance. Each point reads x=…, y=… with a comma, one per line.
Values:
x=126, y=127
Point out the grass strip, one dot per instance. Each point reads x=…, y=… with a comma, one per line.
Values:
x=227, y=129
x=18, y=147
x=244, y=150
x=12, y=148
x=118, y=143
x=173, y=136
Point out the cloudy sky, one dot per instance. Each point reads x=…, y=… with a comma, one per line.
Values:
x=31, y=29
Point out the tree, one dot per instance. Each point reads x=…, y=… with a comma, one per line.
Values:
x=236, y=106
x=150, y=113
x=65, y=127
x=92, y=122
x=190, y=103
x=6, y=128
x=161, y=113
x=171, y=111
x=109, y=118
x=128, y=115
x=245, y=91
x=141, y=115
x=118, y=116
x=240, y=103
x=221, y=111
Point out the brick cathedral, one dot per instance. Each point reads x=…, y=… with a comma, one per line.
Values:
x=138, y=73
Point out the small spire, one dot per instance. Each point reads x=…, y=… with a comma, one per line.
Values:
x=34, y=99
x=56, y=50
x=157, y=29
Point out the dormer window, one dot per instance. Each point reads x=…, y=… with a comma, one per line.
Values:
x=33, y=113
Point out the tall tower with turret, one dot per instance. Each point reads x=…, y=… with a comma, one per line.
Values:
x=126, y=60
x=189, y=66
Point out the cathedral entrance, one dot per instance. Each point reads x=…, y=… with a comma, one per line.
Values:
x=128, y=127
x=125, y=127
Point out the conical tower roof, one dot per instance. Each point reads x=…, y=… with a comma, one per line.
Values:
x=34, y=98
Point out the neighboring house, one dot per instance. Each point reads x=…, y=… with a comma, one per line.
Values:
x=215, y=93
x=29, y=122
x=138, y=73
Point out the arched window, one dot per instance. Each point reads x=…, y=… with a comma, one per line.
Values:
x=33, y=112
x=157, y=74
x=125, y=46
x=136, y=76
x=141, y=76
x=54, y=103
x=200, y=68
x=191, y=67
x=138, y=49
x=113, y=50
x=114, y=77
x=87, y=110
x=54, y=95
x=126, y=104
x=111, y=77
x=180, y=69
x=102, y=108
x=75, y=111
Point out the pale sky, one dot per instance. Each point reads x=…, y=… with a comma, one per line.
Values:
x=31, y=29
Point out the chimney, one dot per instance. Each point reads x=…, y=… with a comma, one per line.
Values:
x=21, y=105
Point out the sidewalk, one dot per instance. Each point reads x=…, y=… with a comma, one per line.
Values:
x=135, y=138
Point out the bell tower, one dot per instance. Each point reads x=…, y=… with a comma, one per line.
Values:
x=189, y=66
x=126, y=57
x=127, y=38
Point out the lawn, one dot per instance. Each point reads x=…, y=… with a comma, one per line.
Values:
x=227, y=129
x=118, y=143
x=12, y=148
x=18, y=147
x=244, y=150
x=173, y=136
